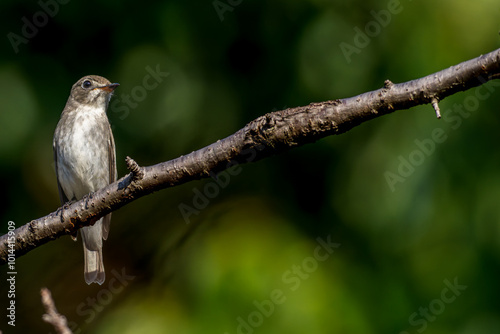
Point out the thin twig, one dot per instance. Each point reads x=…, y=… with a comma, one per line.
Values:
x=435, y=105
x=52, y=316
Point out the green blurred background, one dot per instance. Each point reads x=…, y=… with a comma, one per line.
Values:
x=398, y=246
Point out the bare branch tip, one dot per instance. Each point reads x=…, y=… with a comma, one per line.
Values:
x=137, y=173
x=52, y=316
x=435, y=105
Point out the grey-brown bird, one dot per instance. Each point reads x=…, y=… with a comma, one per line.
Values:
x=85, y=159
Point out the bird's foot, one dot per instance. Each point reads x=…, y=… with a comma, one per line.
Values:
x=65, y=206
x=88, y=197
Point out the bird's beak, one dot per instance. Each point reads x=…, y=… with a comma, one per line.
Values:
x=109, y=88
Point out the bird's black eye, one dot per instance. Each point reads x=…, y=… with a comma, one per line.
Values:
x=86, y=84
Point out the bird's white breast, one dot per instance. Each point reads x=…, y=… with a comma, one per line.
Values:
x=83, y=161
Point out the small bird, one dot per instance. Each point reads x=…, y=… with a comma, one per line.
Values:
x=85, y=159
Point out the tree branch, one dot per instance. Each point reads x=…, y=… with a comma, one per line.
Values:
x=267, y=135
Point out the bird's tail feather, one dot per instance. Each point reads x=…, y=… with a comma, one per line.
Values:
x=92, y=249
